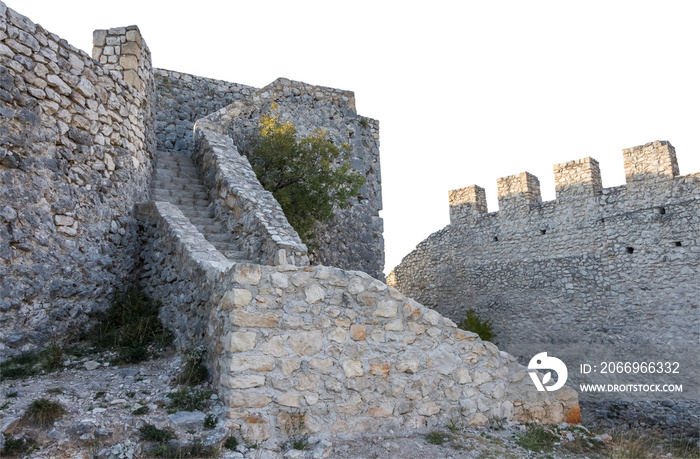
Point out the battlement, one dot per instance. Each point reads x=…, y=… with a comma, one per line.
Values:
x=283, y=88
x=647, y=168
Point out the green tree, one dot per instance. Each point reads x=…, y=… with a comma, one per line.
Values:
x=308, y=176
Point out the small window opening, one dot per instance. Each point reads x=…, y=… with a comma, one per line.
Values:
x=495, y=239
x=678, y=244
x=630, y=249
x=543, y=231
x=661, y=210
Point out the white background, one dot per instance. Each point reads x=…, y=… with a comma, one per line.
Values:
x=466, y=91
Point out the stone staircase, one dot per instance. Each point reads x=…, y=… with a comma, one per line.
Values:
x=177, y=181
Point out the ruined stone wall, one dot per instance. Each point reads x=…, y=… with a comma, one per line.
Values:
x=328, y=351
x=75, y=154
x=354, y=239
x=181, y=99
x=598, y=273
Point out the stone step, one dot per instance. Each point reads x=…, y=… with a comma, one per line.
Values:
x=182, y=195
x=178, y=171
x=176, y=183
x=218, y=237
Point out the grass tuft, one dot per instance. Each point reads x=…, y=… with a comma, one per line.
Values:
x=473, y=323
x=43, y=412
x=130, y=326
x=436, y=438
x=537, y=438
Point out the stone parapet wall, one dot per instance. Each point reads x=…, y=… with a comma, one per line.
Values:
x=333, y=351
x=181, y=99
x=248, y=210
x=75, y=154
x=354, y=239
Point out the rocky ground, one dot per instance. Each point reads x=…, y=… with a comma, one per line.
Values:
x=107, y=407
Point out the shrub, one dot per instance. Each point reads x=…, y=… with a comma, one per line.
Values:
x=231, y=443
x=43, y=412
x=194, y=372
x=187, y=399
x=474, y=324
x=149, y=432
x=436, y=438
x=17, y=447
x=308, y=176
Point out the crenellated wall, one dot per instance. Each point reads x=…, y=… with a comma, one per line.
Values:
x=76, y=142
x=597, y=273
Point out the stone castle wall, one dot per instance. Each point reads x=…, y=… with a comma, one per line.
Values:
x=336, y=349
x=181, y=99
x=76, y=141
x=354, y=239
x=597, y=273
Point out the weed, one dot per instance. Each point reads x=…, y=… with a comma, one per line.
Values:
x=295, y=427
x=130, y=394
x=209, y=422
x=231, y=443
x=54, y=390
x=12, y=394
x=194, y=372
x=537, y=438
x=187, y=399
x=98, y=395
x=141, y=410
x=130, y=326
x=474, y=324
x=52, y=358
x=452, y=425
x=43, y=412
x=436, y=438
x=194, y=450
x=5, y=405
x=19, y=367
x=364, y=123
x=149, y=432
x=17, y=447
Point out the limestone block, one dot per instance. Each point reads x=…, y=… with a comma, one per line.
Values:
x=463, y=375
x=243, y=318
x=129, y=62
x=252, y=362
x=255, y=428
x=248, y=274
x=353, y=368
x=275, y=347
x=386, y=309
x=407, y=366
x=338, y=335
x=290, y=399
x=322, y=365
x=428, y=408
x=382, y=411
x=356, y=286
x=307, y=343
x=478, y=420
x=352, y=406
x=358, y=332
x=314, y=293
x=289, y=366
x=280, y=280
x=131, y=48
x=381, y=368
x=394, y=325
x=247, y=399
x=242, y=341
x=243, y=382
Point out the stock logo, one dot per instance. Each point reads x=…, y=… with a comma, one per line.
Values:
x=544, y=363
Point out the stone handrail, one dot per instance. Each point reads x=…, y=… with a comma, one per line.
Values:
x=248, y=210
